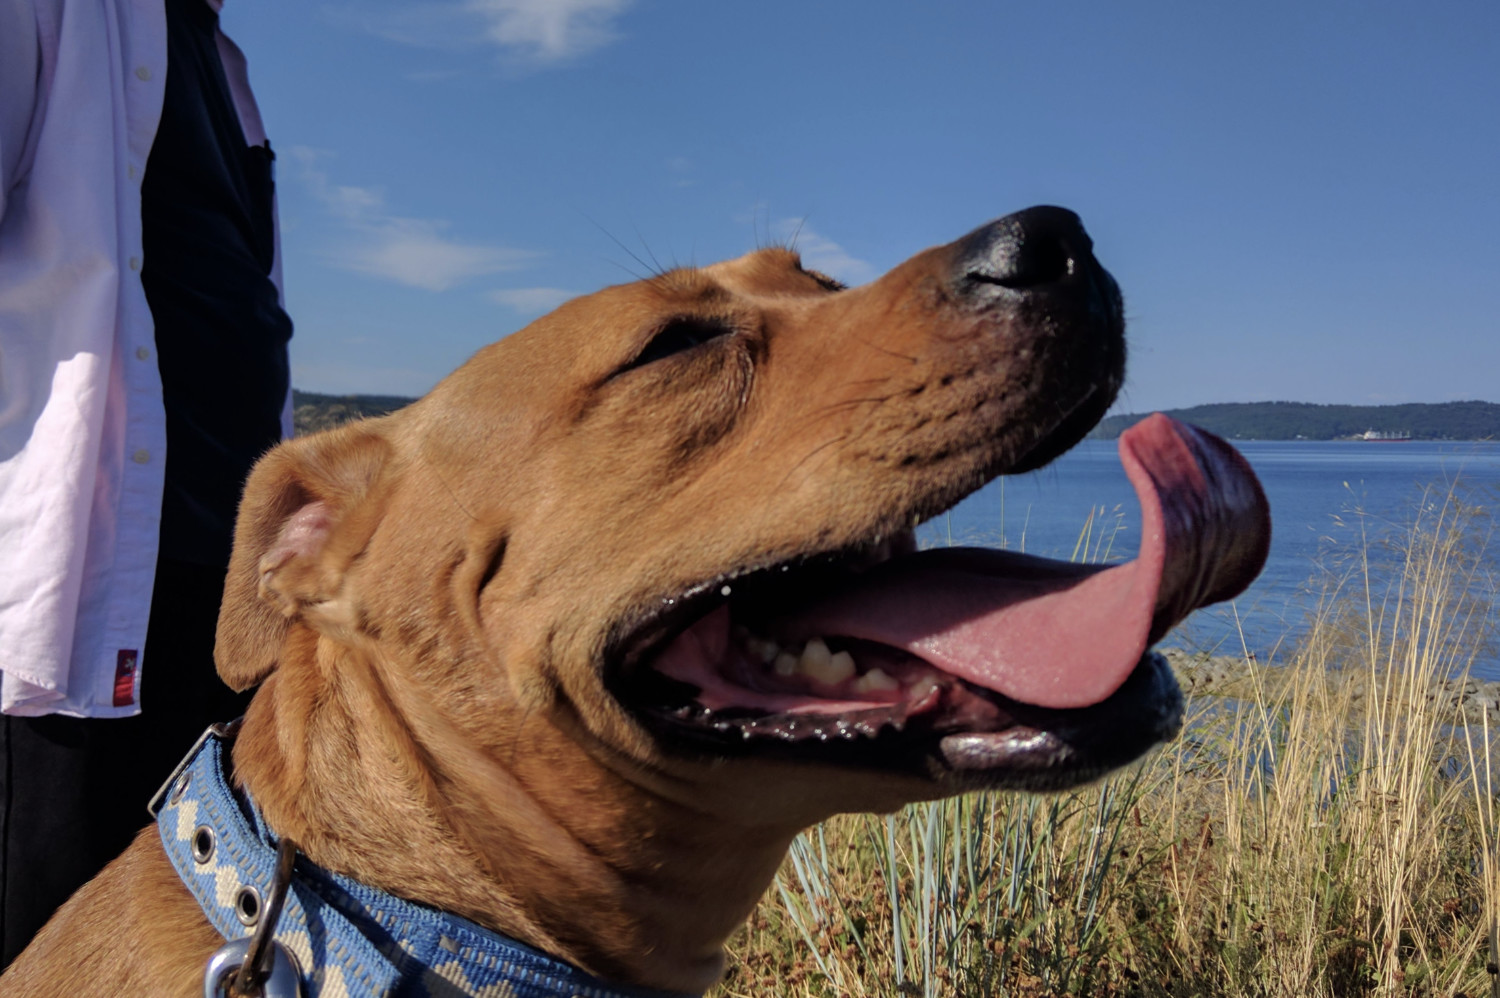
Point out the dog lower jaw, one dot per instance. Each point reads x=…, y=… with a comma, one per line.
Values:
x=1054, y=750
x=949, y=734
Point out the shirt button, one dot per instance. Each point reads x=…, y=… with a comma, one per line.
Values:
x=141, y=456
x=135, y=263
x=143, y=72
x=142, y=353
x=130, y=171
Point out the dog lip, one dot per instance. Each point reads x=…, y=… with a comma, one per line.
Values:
x=1055, y=749
x=979, y=739
x=660, y=620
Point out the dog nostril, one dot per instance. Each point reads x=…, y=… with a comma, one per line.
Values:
x=1031, y=248
x=1026, y=263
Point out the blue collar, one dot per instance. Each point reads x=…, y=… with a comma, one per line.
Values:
x=350, y=940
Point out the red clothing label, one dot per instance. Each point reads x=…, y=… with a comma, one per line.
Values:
x=125, y=663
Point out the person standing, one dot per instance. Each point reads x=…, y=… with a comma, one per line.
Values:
x=143, y=369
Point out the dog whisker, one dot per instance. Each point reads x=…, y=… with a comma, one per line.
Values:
x=650, y=272
x=437, y=473
x=889, y=353
x=833, y=442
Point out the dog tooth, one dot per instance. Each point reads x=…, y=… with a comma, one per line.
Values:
x=786, y=664
x=824, y=666
x=725, y=591
x=922, y=688
x=762, y=649
x=815, y=653
x=876, y=680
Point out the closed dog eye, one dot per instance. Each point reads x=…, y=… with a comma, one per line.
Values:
x=824, y=281
x=676, y=336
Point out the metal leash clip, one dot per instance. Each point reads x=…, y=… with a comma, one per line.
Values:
x=258, y=966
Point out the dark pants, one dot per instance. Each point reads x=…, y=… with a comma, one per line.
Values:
x=73, y=791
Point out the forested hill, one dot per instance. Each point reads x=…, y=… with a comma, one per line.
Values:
x=1234, y=420
x=312, y=412
x=1304, y=421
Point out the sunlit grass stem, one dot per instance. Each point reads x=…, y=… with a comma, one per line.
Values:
x=1325, y=827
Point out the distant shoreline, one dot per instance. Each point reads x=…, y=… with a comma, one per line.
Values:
x=314, y=411
x=1456, y=421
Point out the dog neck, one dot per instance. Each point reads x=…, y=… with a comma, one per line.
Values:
x=510, y=822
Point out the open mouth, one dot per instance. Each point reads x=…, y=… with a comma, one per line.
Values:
x=990, y=666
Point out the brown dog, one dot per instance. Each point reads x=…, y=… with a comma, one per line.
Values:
x=576, y=644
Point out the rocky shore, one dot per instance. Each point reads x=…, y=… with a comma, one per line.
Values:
x=1229, y=676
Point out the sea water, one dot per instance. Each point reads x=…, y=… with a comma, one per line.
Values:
x=1331, y=503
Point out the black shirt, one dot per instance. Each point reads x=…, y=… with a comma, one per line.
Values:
x=221, y=334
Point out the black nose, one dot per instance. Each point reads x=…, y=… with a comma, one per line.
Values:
x=1038, y=255
x=1030, y=249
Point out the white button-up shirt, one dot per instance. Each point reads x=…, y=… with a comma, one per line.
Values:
x=82, y=428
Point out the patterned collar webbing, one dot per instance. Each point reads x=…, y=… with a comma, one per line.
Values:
x=350, y=940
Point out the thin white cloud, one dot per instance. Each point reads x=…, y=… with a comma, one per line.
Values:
x=423, y=25
x=821, y=253
x=531, y=301
x=415, y=252
x=550, y=30
x=526, y=32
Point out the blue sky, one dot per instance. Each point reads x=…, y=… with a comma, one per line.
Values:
x=1300, y=200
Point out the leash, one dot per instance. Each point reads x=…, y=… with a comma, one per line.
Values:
x=295, y=929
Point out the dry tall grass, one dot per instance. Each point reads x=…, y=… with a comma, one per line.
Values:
x=1326, y=827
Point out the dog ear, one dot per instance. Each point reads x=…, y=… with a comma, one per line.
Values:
x=306, y=513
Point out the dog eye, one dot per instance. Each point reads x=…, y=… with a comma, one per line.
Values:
x=677, y=335
x=828, y=283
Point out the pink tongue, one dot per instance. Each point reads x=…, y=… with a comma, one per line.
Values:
x=1055, y=634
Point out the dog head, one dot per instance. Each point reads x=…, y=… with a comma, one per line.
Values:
x=577, y=642
x=677, y=516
